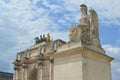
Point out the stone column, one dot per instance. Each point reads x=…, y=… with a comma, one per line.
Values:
x=14, y=76
x=16, y=73
x=24, y=72
x=39, y=73
x=51, y=69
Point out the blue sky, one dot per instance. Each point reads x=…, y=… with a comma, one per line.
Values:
x=22, y=20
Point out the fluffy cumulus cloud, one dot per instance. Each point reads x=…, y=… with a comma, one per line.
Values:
x=107, y=9
x=115, y=53
x=22, y=20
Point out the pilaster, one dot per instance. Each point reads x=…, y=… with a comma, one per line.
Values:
x=51, y=70
x=16, y=69
x=24, y=72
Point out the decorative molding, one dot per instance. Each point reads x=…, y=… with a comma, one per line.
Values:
x=79, y=50
x=68, y=53
x=62, y=54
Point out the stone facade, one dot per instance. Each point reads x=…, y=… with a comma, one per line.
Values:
x=82, y=58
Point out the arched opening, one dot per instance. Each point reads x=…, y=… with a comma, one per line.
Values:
x=33, y=74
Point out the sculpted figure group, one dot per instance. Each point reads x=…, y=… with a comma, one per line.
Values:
x=42, y=39
x=87, y=31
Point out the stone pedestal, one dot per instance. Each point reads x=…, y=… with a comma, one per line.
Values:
x=82, y=64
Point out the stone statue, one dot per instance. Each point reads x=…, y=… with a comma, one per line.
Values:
x=87, y=31
x=79, y=33
x=48, y=38
x=44, y=39
x=72, y=33
x=41, y=38
x=37, y=40
x=94, y=34
x=84, y=17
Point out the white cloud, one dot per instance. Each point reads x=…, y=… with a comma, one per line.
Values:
x=112, y=50
x=115, y=53
x=106, y=9
x=16, y=22
x=118, y=70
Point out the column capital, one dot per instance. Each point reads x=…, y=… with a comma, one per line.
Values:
x=24, y=66
x=16, y=68
x=51, y=60
x=39, y=62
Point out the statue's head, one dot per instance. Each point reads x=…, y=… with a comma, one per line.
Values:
x=83, y=9
x=48, y=35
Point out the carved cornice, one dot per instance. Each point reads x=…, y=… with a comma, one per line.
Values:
x=104, y=56
x=30, y=61
x=24, y=62
x=82, y=51
x=17, y=63
x=69, y=53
